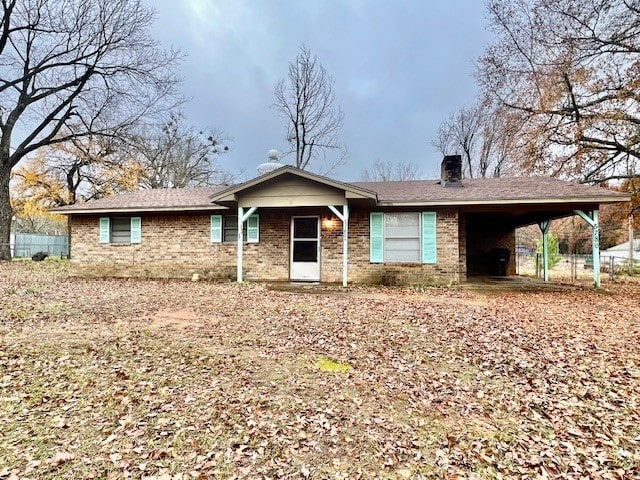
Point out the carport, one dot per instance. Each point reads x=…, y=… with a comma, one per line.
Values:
x=489, y=230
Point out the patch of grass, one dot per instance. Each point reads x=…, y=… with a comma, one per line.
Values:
x=328, y=365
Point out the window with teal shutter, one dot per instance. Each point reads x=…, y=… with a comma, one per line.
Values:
x=253, y=229
x=216, y=228
x=136, y=229
x=376, y=237
x=105, y=230
x=429, y=243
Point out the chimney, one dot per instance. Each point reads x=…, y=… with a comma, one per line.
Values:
x=451, y=171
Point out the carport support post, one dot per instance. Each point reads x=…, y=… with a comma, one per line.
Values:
x=593, y=220
x=242, y=217
x=344, y=217
x=544, y=227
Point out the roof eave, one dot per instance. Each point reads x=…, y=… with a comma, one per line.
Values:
x=190, y=208
x=506, y=201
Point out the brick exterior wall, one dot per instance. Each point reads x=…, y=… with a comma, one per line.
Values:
x=483, y=234
x=178, y=245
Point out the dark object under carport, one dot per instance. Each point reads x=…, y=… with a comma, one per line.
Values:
x=500, y=261
x=40, y=256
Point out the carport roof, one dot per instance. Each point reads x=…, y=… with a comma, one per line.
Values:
x=483, y=191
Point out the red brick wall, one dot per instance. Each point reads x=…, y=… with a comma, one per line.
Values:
x=483, y=234
x=178, y=245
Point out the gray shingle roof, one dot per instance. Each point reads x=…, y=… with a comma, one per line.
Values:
x=151, y=200
x=486, y=190
x=481, y=191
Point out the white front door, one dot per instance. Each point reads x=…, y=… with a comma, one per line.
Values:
x=305, y=249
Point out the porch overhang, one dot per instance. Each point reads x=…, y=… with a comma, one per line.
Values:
x=292, y=187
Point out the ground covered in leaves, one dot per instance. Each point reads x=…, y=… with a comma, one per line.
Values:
x=161, y=380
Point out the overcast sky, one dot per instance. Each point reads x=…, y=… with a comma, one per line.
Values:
x=400, y=68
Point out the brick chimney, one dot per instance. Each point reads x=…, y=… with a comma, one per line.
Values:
x=451, y=171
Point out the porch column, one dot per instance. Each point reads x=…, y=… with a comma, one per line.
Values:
x=242, y=217
x=593, y=220
x=544, y=227
x=344, y=217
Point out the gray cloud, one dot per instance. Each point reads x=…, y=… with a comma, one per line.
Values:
x=400, y=68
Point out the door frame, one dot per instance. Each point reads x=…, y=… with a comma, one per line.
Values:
x=293, y=239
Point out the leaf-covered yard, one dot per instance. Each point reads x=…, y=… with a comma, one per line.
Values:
x=155, y=379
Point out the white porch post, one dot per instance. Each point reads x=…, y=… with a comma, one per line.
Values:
x=242, y=217
x=593, y=220
x=240, y=246
x=544, y=227
x=344, y=217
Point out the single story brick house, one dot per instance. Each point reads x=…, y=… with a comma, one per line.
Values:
x=293, y=225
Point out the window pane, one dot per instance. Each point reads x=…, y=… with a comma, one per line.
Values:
x=305, y=251
x=402, y=250
x=402, y=224
x=305, y=228
x=230, y=230
x=402, y=237
x=120, y=230
x=230, y=233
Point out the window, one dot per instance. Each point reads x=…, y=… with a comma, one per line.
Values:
x=230, y=229
x=120, y=230
x=225, y=229
x=402, y=237
x=405, y=237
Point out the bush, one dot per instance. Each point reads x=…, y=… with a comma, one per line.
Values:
x=554, y=251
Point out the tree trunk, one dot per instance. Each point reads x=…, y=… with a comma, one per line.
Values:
x=6, y=213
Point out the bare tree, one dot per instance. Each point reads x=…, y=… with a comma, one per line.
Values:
x=570, y=68
x=305, y=98
x=459, y=133
x=70, y=69
x=178, y=156
x=486, y=137
x=388, y=171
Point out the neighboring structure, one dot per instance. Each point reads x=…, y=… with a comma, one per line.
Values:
x=292, y=225
x=621, y=252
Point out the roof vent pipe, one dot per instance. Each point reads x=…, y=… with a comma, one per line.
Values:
x=451, y=171
x=271, y=165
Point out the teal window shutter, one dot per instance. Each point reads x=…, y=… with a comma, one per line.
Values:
x=105, y=230
x=253, y=229
x=376, y=237
x=216, y=228
x=136, y=229
x=429, y=243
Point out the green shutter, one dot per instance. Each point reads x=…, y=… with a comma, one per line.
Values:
x=253, y=229
x=216, y=228
x=376, y=237
x=105, y=230
x=429, y=245
x=136, y=229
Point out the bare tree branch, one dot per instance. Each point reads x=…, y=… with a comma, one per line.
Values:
x=305, y=99
x=388, y=171
x=74, y=69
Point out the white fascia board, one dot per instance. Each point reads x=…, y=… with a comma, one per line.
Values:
x=498, y=202
x=139, y=210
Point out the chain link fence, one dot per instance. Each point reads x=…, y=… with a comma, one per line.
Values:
x=574, y=267
x=25, y=245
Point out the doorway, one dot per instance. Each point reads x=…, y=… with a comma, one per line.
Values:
x=305, y=249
